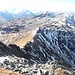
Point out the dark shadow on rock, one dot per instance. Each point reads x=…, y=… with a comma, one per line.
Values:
x=4, y=50
x=16, y=50
x=53, y=43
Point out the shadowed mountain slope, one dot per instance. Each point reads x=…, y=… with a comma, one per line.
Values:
x=53, y=43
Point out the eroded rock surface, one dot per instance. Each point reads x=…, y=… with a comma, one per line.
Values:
x=54, y=43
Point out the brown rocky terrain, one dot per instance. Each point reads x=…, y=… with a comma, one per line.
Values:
x=7, y=72
x=24, y=39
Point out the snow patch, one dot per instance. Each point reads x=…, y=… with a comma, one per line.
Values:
x=34, y=32
x=2, y=59
x=32, y=40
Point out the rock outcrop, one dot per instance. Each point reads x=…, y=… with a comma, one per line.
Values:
x=16, y=50
x=53, y=43
x=11, y=50
x=4, y=50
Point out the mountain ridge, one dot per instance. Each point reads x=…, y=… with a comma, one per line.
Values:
x=44, y=44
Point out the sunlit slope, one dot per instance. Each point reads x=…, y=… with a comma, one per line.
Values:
x=24, y=39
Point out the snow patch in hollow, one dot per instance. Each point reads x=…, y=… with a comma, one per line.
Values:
x=2, y=59
x=34, y=32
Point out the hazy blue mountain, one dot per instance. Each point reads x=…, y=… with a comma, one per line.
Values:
x=23, y=14
x=16, y=13
x=6, y=15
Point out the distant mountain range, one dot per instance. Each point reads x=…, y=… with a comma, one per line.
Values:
x=17, y=13
x=6, y=15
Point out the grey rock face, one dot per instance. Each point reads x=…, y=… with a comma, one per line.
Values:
x=54, y=43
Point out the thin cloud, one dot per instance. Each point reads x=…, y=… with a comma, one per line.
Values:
x=51, y=5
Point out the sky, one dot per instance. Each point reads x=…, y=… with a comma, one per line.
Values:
x=43, y=5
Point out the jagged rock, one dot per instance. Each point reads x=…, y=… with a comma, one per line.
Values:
x=14, y=63
x=53, y=43
x=4, y=50
x=43, y=69
x=11, y=50
x=47, y=70
x=16, y=50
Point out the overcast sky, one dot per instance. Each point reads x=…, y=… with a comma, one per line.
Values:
x=53, y=5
